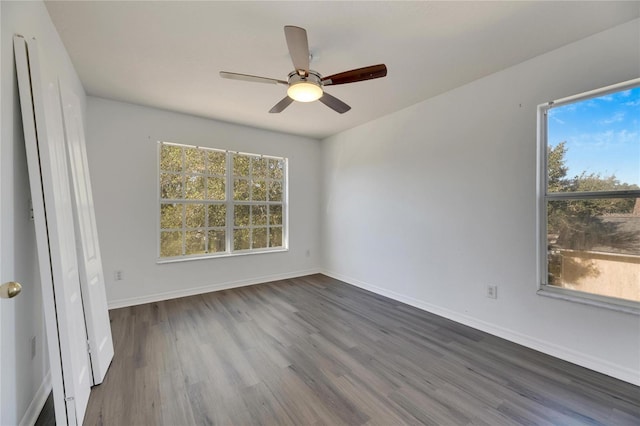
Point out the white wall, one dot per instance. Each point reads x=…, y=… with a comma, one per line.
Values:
x=122, y=151
x=431, y=204
x=24, y=383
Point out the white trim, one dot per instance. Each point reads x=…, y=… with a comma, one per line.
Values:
x=228, y=236
x=618, y=87
x=541, y=205
x=620, y=305
x=208, y=288
x=39, y=399
x=597, y=364
x=163, y=260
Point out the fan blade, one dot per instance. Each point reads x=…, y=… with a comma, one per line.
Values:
x=280, y=106
x=360, y=74
x=252, y=78
x=298, y=47
x=334, y=103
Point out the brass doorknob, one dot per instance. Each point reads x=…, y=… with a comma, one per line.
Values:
x=10, y=289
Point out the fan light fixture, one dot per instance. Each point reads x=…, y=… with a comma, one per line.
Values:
x=305, y=87
x=304, y=91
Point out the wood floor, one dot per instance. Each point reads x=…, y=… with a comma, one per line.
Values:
x=315, y=351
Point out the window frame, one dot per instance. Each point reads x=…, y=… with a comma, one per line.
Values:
x=229, y=202
x=542, y=197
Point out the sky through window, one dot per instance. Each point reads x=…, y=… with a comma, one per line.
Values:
x=602, y=135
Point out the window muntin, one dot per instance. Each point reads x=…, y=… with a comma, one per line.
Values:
x=258, y=202
x=590, y=196
x=201, y=215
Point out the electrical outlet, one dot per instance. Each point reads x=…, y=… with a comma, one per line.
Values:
x=492, y=291
x=33, y=347
x=118, y=275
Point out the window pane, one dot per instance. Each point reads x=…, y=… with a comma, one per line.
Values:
x=171, y=186
x=275, y=237
x=594, y=246
x=215, y=188
x=194, y=242
x=194, y=160
x=170, y=216
x=217, y=215
x=241, y=239
x=170, y=158
x=194, y=215
x=275, y=191
x=276, y=169
x=275, y=215
x=241, y=215
x=594, y=144
x=216, y=163
x=240, y=165
x=259, y=190
x=258, y=215
x=170, y=243
x=259, y=238
x=216, y=241
x=259, y=167
x=241, y=190
x=194, y=187
x=197, y=178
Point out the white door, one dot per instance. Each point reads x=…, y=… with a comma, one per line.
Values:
x=1, y=416
x=89, y=260
x=1, y=405
x=55, y=238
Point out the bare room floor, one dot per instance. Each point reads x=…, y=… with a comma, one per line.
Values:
x=314, y=350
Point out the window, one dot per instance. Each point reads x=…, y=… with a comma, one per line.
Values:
x=216, y=203
x=589, y=197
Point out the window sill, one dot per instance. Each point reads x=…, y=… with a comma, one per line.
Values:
x=162, y=261
x=627, y=307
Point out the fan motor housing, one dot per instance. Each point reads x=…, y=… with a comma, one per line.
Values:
x=312, y=77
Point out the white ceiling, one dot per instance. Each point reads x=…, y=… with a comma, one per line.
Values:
x=168, y=54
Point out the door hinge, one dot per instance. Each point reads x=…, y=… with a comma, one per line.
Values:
x=89, y=346
x=71, y=411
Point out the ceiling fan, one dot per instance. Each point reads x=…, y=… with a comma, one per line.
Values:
x=305, y=85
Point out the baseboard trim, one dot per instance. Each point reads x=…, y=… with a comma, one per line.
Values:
x=597, y=364
x=39, y=399
x=158, y=297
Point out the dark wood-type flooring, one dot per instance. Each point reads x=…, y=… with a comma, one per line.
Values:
x=47, y=415
x=315, y=351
